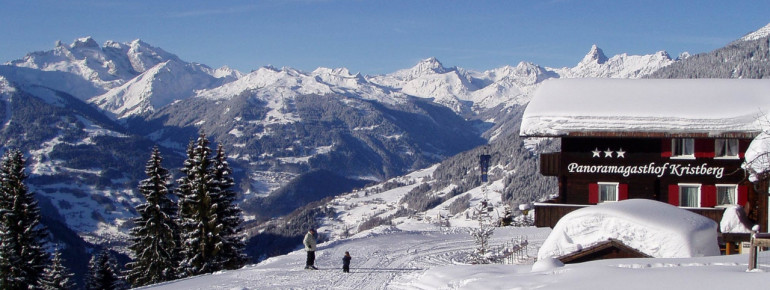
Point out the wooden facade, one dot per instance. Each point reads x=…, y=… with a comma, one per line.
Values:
x=702, y=177
x=610, y=249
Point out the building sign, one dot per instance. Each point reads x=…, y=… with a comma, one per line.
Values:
x=652, y=168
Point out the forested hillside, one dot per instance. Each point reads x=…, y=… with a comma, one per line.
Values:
x=740, y=59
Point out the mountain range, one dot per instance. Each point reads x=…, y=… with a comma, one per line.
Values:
x=88, y=114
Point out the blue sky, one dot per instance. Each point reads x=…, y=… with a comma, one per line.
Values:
x=376, y=37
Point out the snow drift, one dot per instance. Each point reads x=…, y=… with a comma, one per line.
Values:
x=654, y=228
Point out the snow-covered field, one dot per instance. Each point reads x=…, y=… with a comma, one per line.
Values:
x=427, y=257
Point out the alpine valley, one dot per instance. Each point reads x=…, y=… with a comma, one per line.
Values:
x=88, y=115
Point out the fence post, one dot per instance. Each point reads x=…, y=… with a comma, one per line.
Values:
x=753, y=250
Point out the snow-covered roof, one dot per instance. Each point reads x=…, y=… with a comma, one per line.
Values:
x=668, y=107
x=657, y=229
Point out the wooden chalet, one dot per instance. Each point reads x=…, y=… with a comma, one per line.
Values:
x=675, y=141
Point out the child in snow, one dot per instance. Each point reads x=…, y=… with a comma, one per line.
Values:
x=346, y=263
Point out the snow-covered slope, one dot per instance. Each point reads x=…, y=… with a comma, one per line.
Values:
x=759, y=33
x=431, y=258
x=155, y=88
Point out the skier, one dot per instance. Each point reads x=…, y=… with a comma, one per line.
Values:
x=309, y=243
x=346, y=263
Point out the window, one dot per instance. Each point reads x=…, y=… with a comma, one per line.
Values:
x=726, y=194
x=608, y=191
x=689, y=195
x=683, y=148
x=726, y=148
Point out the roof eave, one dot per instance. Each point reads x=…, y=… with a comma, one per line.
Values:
x=639, y=134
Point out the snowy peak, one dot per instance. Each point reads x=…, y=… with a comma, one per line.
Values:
x=123, y=78
x=596, y=65
x=274, y=86
x=429, y=65
x=226, y=72
x=760, y=33
x=144, y=56
x=138, y=54
x=426, y=67
x=595, y=55
x=157, y=87
x=85, y=42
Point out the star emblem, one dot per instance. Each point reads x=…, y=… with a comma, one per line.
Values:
x=608, y=153
x=621, y=153
x=596, y=153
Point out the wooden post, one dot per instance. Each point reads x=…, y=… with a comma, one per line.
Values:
x=753, y=251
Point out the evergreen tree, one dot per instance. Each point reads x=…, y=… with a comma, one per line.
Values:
x=208, y=218
x=154, y=236
x=22, y=258
x=231, y=254
x=103, y=273
x=56, y=275
x=11, y=277
x=197, y=219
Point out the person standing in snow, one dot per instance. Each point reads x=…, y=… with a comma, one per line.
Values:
x=309, y=243
x=346, y=262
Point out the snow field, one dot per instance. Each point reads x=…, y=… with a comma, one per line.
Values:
x=391, y=258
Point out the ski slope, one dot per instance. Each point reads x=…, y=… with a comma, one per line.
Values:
x=384, y=258
x=431, y=258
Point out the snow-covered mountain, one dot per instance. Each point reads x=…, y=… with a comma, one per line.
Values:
x=157, y=87
x=122, y=78
x=471, y=93
x=596, y=65
x=88, y=115
x=277, y=124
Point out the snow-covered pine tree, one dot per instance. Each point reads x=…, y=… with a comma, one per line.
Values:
x=22, y=257
x=198, y=193
x=231, y=255
x=56, y=275
x=155, y=240
x=11, y=277
x=103, y=273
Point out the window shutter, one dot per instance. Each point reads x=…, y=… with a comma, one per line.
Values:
x=622, y=191
x=743, y=195
x=708, y=196
x=673, y=194
x=593, y=193
x=665, y=147
x=704, y=148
